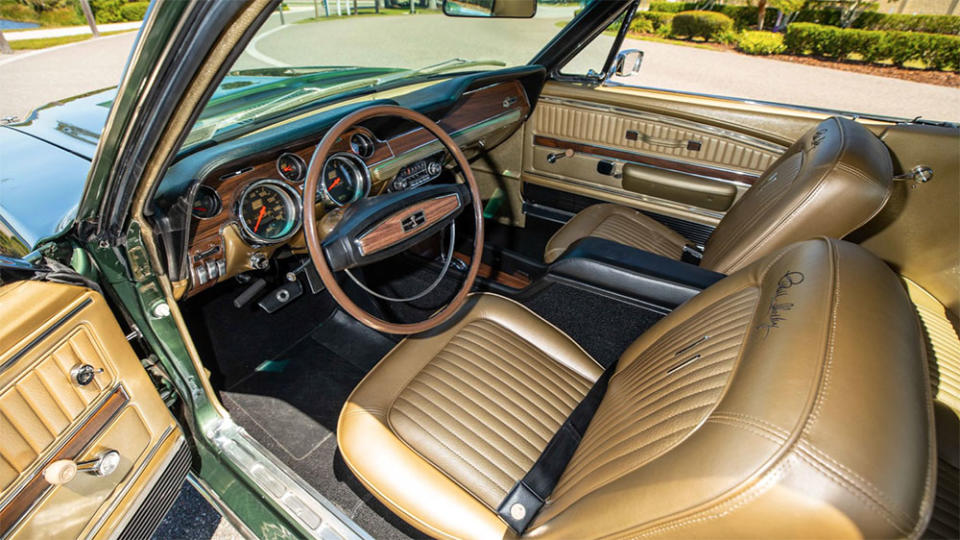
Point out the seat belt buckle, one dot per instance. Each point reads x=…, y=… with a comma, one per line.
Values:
x=691, y=254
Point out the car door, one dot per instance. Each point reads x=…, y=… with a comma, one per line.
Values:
x=73, y=392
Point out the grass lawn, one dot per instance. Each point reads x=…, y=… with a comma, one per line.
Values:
x=43, y=43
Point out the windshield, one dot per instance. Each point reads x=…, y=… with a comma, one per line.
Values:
x=303, y=56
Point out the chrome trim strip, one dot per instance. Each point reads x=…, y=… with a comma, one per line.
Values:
x=286, y=489
x=214, y=500
x=804, y=108
x=670, y=120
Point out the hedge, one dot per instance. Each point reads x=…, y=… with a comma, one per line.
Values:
x=937, y=51
x=709, y=25
x=763, y=43
x=652, y=22
x=933, y=24
x=134, y=11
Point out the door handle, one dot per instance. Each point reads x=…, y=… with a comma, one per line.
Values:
x=64, y=470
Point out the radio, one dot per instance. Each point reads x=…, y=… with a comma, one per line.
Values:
x=416, y=174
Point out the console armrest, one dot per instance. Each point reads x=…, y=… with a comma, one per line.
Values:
x=633, y=272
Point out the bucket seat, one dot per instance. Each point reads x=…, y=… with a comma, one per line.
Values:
x=790, y=399
x=829, y=182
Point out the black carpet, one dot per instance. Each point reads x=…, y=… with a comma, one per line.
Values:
x=291, y=402
x=603, y=326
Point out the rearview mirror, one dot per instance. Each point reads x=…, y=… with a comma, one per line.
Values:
x=626, y=64
x=516, y=9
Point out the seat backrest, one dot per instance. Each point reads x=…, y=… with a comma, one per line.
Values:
x=790, y=399
x=828, y=183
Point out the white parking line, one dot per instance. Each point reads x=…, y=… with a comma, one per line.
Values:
x=252, y=49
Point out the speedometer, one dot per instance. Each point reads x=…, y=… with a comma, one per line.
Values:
x=269, y=211
x=344, y=179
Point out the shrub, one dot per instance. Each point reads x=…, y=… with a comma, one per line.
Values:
x=656, y=19
x=106, y=11
x=18, y=12
x=672, y=7
x=761, y=43
x=641, y=25
x=134, y=11
x=706, y=24
x=65, y=16
x=937, y=51
x=933, y=24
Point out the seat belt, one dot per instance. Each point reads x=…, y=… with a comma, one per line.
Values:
x=529, y=494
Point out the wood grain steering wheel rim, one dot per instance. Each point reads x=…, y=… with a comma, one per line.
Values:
x=314, y=242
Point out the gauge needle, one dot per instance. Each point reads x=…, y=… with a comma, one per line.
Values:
x=263, y=210
x=335, y=183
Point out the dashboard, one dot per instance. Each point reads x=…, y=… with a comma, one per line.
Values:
x=246, y=209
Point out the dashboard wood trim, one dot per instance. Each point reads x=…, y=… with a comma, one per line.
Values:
x=476, y=107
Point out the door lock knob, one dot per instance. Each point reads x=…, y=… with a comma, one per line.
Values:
x=64, y=470
x=83, y=374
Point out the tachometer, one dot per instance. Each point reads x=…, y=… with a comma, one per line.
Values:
x=291, y=167
x=206, y=203
x=344, y=179
x=269, y=211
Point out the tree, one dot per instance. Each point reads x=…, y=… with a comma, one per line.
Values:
x=786, y=8
x=4, y=46
x=761, y=13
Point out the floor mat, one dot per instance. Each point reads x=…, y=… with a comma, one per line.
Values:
x=291, y=403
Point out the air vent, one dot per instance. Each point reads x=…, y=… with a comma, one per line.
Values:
x=362, y=145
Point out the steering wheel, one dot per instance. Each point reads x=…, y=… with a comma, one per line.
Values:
x=375, y=228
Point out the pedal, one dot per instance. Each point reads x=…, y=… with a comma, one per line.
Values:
x=247, y=295
x=281, y=296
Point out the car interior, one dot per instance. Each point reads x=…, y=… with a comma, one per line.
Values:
x=747, y=282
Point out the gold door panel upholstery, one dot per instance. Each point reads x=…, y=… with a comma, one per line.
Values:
x=661, y=163
x=45, y=416
x=790, y=399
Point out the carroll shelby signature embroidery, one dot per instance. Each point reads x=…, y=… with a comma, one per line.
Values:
x=775, y=313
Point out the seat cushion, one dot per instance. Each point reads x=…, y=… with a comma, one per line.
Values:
x=619, y=224
x=444, y=426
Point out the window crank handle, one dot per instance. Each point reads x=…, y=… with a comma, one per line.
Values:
x=553, y=157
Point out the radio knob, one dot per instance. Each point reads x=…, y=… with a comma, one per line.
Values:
x=401, y=184
x=433, y=168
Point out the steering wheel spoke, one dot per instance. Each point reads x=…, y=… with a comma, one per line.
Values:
x=379, y=227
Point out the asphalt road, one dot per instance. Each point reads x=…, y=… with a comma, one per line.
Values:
x=30, y=79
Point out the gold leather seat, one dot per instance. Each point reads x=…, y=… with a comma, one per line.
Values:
x=829, y=182
x=790, y=399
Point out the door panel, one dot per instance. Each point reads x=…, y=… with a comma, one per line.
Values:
x=46, y=415
x=663, y=163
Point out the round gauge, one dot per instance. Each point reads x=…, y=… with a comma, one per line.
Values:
x=291, y=167
x=361, y=145
x=269, y=211
x=344, y=179
x=206, y=203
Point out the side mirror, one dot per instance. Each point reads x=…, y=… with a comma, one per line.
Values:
x=515, y=9
x=626, y=64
